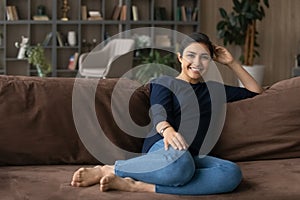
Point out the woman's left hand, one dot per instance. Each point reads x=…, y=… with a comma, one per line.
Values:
x=222, y=55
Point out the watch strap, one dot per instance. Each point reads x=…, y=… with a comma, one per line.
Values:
x=161, y=132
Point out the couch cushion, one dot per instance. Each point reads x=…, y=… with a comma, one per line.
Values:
x=264, y=127
x=37, y=125
x=266, y=180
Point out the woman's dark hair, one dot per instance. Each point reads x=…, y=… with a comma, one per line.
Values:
x=197, y=37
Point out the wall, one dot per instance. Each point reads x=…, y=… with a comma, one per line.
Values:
x=279, y=36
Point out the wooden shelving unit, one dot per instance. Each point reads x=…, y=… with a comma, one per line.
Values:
x=88, y=32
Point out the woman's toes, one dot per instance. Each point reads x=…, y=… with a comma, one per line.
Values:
x=106, y=182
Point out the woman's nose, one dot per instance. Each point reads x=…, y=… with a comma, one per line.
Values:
x=197, y=61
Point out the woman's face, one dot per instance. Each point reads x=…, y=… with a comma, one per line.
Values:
x=194, y=61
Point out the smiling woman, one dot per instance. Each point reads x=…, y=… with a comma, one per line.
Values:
x=178, y=135
x=194, y=62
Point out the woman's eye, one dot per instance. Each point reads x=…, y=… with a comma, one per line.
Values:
x=191, y=55
x=205, y=57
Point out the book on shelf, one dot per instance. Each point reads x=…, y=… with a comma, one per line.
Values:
x=40, y=18
x=135, y=15
x=15, y=13
x=195, y=14
x=189, y=13
x=12, y=13
x=183, y=14
x=116, y=13
x=95, y=15
x=83, y=12
x=59, y=39
x=47, y=39
x=95, y=18
x=123, y=15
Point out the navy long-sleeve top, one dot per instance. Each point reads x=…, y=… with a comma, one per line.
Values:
x=189, y=108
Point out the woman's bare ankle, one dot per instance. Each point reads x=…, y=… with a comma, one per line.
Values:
x=108, y=170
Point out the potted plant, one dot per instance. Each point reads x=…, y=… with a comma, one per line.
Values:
x=36, y=56
x=239, y=27
x=154, y=65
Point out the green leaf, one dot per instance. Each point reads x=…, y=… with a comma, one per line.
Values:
x=221, y=33
x=232, y=20
x=246, y=6
x=223, y=12
x=237, y=6
x=266, y=2
x=221, y=25
x=250, y=16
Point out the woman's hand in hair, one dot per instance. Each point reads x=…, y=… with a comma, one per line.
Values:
x=223, y=56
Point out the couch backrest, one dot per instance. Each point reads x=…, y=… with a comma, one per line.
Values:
x=37, y=125
x=37, y=122
x=264, y=127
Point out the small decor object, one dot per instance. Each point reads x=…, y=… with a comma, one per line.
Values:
x=162, y=41
x=22, y=46
x=41, y=10
x=141, y=42
x=73, y=61
x=41, y=14
x=72, y=38
x=36, y=56
x=65, y=8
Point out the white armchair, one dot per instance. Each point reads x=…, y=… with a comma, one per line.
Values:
x=112, y=61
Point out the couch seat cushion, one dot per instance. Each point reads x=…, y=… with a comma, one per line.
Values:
x=269, y=179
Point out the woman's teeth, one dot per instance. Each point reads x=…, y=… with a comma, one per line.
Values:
x=196, y=69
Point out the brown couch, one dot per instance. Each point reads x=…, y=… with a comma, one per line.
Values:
x=40, y=147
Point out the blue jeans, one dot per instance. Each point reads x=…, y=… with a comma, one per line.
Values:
x=177, y=172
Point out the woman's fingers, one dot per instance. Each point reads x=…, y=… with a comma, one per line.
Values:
x=176, y=143
x=166, y=144
x=181, y=142
x=175, y=140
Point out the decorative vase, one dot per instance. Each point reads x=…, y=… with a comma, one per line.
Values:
x=39, y=71
x=72, y=38
x=256, y=71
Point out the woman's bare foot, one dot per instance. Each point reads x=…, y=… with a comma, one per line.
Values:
x=89, y=176
x=113, y=182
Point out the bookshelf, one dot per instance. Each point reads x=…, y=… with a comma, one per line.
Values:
x=89, y=33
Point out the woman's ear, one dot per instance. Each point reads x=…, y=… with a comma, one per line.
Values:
x=179, y=57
